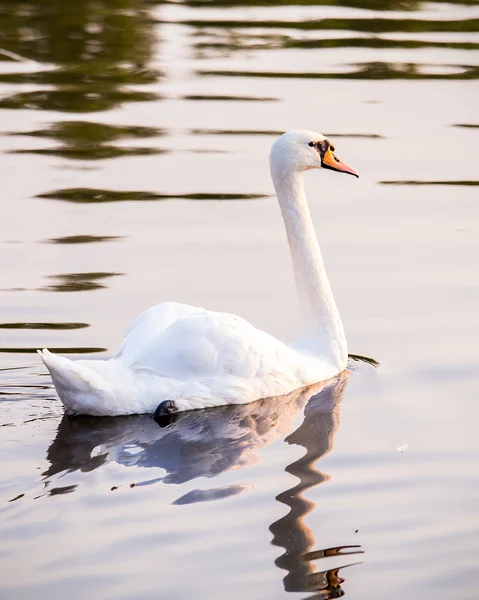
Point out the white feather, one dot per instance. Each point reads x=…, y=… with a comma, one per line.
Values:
x=198, y=358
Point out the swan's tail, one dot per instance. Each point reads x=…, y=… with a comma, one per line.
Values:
x=78, y=386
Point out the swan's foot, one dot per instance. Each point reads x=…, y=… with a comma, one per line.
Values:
x=166, y=413
x=165, y=409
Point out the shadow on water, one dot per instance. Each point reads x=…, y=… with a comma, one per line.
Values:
x=207, y=443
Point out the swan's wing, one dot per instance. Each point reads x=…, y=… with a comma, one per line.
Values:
x=206, y=344
x=149, y=325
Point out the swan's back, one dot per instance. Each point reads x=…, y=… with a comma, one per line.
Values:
x=204, y=344
x=148, y=325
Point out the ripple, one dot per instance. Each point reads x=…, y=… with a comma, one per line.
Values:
x=78, y=282
x=96, y=153
x=88, y=132
x=275, y=42
x=276, y=133
x=365, y=359
x=372, y=70
x=380, y=25
x=269, y=132
x=69, y=350
x=75, y=100
x=84, y=75
x=218, y=493
x=380, y=5
x=412, y=182
x=230, y=98
x=84, y=239
x=89, y=195
x=54, y=326
x=85, y=140
x=6, y=54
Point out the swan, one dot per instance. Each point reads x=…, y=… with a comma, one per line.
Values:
x=176, y=357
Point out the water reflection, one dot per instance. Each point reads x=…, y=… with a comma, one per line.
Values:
x=380, y=5
x=74, y=100
x=316, y=435
x=217, y=98
x=369, y=25
x=80, y=57
x=84, y=140
x=97, y=153
x=51, y=326
x=89, y=195
x=89, y=56
x=461, y=182
x=273, y=133
x=97, y=48
x=87, y=133
x=370, y=70
x=203, y=443
x=224, y=36
x=260, y=42
x=84, y=239
x=66, y=350
x=78, y=282
x=210, y=442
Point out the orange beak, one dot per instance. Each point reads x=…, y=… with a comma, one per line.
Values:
x=330, y=161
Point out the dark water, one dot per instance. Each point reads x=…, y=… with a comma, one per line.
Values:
x=134, y=140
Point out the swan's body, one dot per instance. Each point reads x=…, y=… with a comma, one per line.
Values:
x=196, y=358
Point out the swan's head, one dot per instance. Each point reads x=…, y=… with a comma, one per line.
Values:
x=303, y=150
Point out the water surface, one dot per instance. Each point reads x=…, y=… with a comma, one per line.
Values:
x=134, y=169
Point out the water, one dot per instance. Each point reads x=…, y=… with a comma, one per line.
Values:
x=134, y=170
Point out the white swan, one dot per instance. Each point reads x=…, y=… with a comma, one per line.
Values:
x=176, y=357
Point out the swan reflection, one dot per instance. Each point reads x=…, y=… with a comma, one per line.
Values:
x=210, y=442
x=316, y=436
x=202, y=443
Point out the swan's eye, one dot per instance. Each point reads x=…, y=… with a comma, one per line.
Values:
x=332, y=148
x=312, y=144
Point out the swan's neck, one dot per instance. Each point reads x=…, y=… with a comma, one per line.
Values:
x=324, y=335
